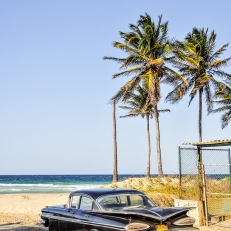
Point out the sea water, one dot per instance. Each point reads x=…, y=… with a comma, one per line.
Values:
x=53, y=183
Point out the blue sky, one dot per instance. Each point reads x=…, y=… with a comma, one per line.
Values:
x=55, y=86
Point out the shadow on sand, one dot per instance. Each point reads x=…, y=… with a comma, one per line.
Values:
x=17, y=227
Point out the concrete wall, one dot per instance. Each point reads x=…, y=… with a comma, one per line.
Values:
x=196, y=213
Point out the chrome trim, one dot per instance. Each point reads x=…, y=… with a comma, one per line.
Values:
x=182, y=219
x=104, y=225
x=76, y=221
x=147, y=226
x=47, y=215
x=140, y=214
x=42, y=222
x=59, y=218
x=126, y=213
x=87, y=222
x=110, y=216
x=63, y=218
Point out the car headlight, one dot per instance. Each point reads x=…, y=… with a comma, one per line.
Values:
x=137, y=226
x=185, y=221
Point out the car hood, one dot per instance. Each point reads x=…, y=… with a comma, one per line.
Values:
x=157, y=213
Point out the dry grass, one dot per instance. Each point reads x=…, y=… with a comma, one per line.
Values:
x=163, y=190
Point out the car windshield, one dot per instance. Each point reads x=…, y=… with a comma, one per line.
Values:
x=125, y=201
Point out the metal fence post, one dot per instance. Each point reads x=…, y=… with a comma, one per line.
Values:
x=205, y=204
x=229, y=169
x=199, y=156
x=179, y=163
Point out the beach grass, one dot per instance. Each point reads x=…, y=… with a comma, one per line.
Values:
x=163, y=190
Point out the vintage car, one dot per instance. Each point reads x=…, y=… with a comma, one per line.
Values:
x=114, y=209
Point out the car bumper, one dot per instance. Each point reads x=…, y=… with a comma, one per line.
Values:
x=182, y=229
x=44, y=222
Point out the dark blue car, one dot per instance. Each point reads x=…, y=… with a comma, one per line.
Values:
x=114, y=209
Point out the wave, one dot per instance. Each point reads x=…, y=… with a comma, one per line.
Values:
x=42, y=188
x=45, y=185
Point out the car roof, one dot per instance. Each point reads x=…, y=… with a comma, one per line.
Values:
x=97, y=192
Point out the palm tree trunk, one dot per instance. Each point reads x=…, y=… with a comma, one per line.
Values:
x=199, y=150
x=149, y=150
x=115, y=171
x=159, y=161
x=200, y=115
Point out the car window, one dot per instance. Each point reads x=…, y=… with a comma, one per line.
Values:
x=86, y=203
x=136, y=200
x=110, y=200
x=124, y=201
x=74, y=202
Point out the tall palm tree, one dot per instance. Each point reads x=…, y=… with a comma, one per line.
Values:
x=115, y=169
x=197, y=60
x=147, y=48
x=224, y=101
x=140, y=105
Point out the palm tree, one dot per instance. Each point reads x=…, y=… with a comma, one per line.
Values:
x=115, y=169
x=148, y=49
x=197, y=60
x=224, y=101
x=140, y=105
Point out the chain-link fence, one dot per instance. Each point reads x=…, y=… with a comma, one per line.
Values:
x=217, y=173
x=188, y=174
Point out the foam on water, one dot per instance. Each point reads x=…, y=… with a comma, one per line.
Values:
x=47, y=188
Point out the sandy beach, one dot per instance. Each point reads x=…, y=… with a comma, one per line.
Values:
x=22, y=211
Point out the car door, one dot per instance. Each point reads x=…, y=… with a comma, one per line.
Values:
x=66, y=217
x=83, y=219
x=77, y=224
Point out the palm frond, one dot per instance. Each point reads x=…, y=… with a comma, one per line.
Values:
x=126, y=107
x=128, y=72
x=208, y=98
x=219, y=52
x=164, y=110
x=124, y=47
x=118, y=60
x=129, y=115
x=225, y=119
x=219, y=63
x=148, y=49
x=199, y=64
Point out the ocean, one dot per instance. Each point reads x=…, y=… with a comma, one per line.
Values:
x=53, y=183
